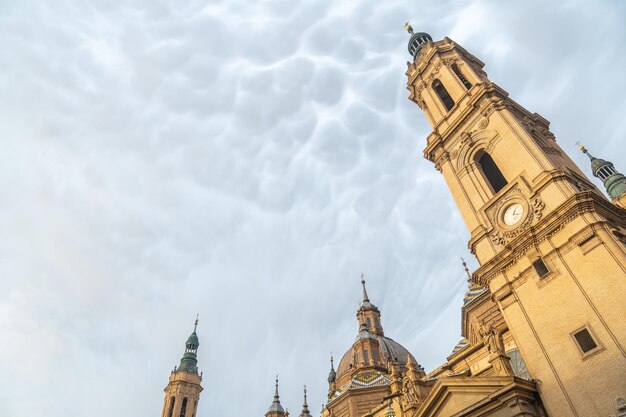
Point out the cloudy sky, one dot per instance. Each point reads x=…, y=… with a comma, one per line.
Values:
x=247, y=161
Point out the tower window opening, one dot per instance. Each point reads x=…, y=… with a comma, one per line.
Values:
x=585, y=340
x=459, y=74
x=492, y=172
x=171, y=410
x=366, y=357
x=540, y=267
x=195, y=408
x=605, y=172
x=183, y=408
x=369, y=323
x=443, y=94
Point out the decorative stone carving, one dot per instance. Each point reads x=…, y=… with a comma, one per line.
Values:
x=442, y=159
x=411, y=396
x=492, y=339
x=466, y=139
x=483, y=123
x=620, y=406
x=538, y=205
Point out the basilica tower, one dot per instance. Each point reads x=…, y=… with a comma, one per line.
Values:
x=183, y=390
x=551, y=247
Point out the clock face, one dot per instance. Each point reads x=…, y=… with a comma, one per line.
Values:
x=513, y=214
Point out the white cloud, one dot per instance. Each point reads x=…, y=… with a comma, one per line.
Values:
x=247, y=161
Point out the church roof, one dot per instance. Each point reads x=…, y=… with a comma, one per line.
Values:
x=362, y=380
x=463, y=343
x=276, y=407
x=473, y=292
x=389, y=350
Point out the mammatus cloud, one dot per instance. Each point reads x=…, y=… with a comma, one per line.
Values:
x=247, y=161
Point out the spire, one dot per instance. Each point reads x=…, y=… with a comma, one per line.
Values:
x=473, y=289
x=305, y=407
x=276, y=407
x=366, y=304
x=586, y=152
x=365, y=298
x=467, y=272
x=614, y=181
x=189, y=361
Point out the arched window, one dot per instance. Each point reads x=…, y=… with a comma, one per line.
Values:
x=171, y=410
x=459, y=74
x=443, y=94
x=491, y=172
x=183, y=408
x=517, y=363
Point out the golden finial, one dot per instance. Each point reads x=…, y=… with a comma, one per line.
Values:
x=408, y=28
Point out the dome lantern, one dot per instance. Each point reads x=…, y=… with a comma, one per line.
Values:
x=417, y=40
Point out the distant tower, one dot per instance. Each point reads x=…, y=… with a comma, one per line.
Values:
x=551, y=248
x=276, y=409
x=305, y=407
x=183, y=391
x=614, y=181
x=332, y=378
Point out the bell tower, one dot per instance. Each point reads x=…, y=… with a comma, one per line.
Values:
x=183, y=390
x=551, y=247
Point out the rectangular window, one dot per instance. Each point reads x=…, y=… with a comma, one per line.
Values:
x=540, y=267
x=585, y=340
x=366, y=357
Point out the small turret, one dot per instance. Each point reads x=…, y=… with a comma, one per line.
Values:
x=332, y=378
x=332, y=375
x=614, y=181
x=305, y=407
x=189, y=361
x=275, y=409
